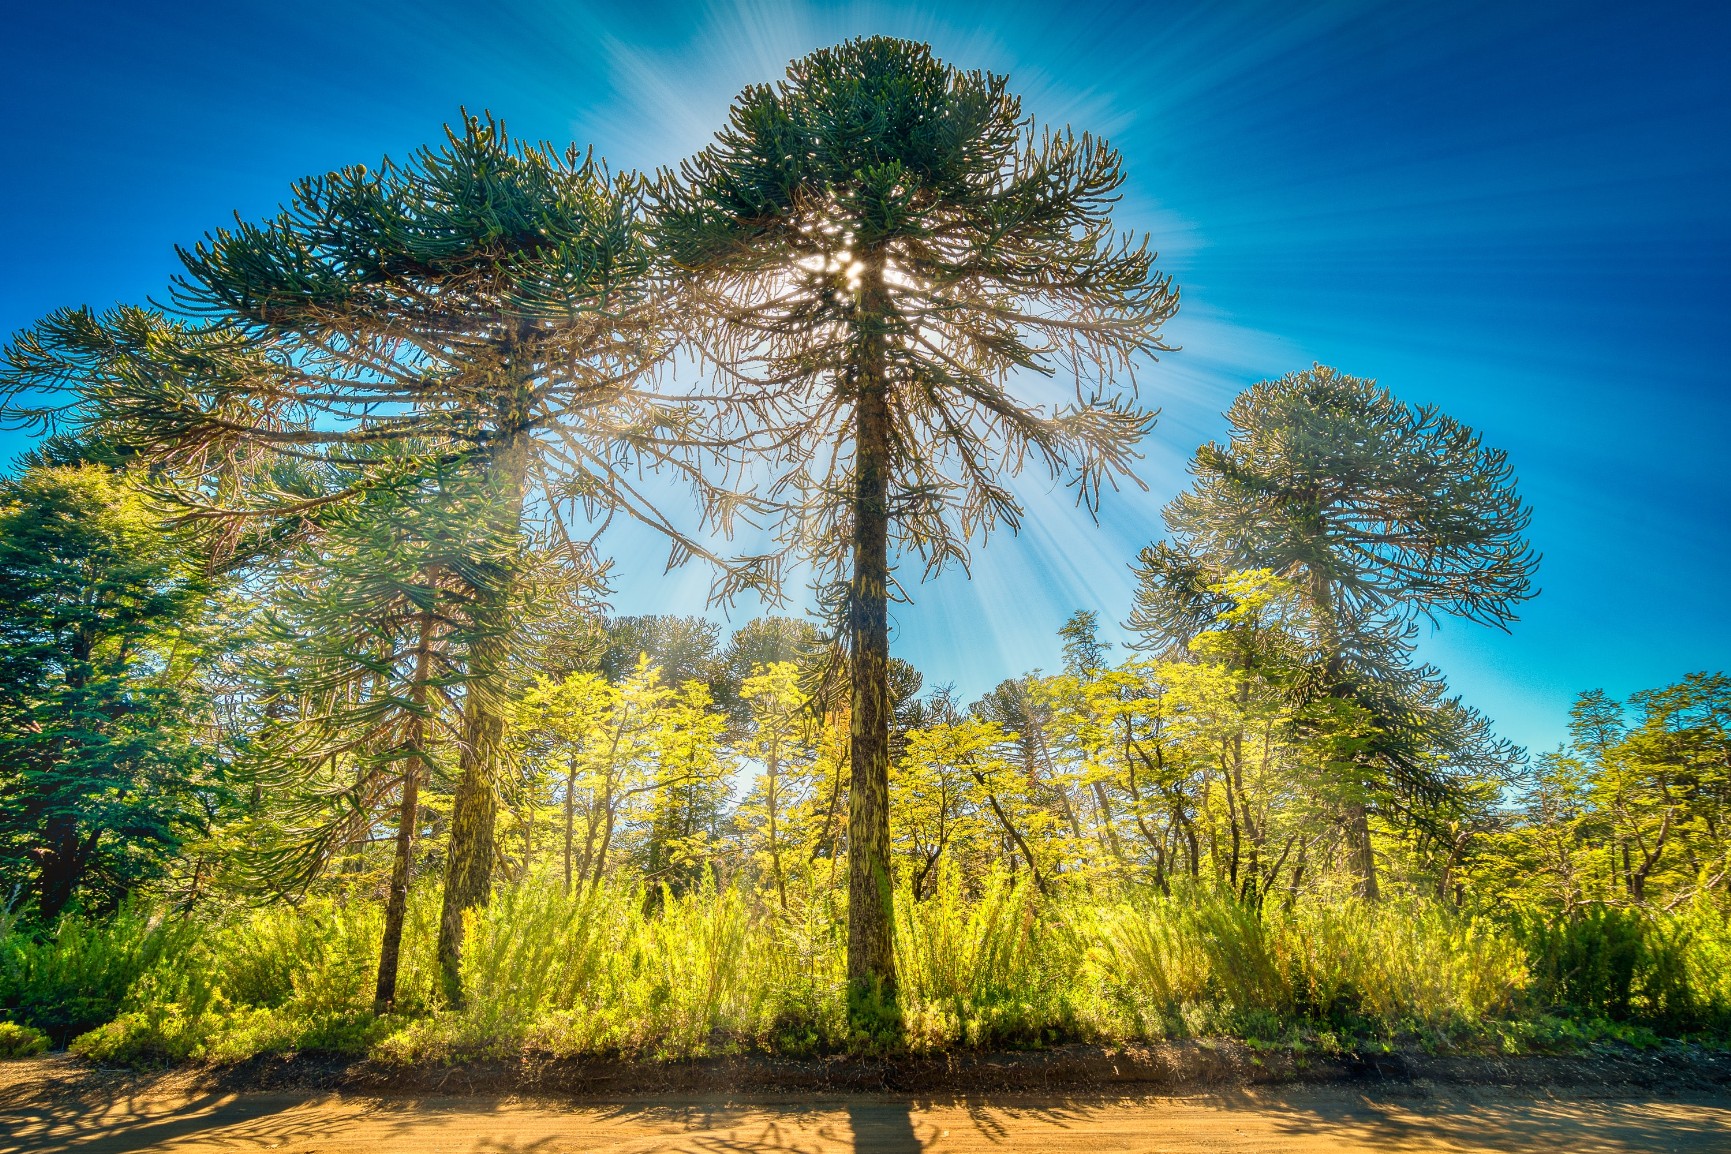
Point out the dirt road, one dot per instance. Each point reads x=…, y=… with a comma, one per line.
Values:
x=46, y=1107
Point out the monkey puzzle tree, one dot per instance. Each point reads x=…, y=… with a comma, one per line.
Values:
x=487, y=299
x=896, y=268
x=1379, y=513
x=372, y=622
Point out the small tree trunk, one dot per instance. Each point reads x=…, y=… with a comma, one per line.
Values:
x=1014, y=834
x=870, y=922
x=773, y=800
x=600, y=871
x=570, y=817
x=1363, y=853
x=397, y=904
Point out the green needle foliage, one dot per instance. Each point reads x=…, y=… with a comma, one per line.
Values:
x=1384, y=508
x=100, y=767
x=401, y=410
x=486, y=300
x=487, y=296
x=1379, y=513
x=375, y=623
x=917, y=295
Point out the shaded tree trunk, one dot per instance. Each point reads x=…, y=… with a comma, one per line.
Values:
x=415, y=741
x=63, y=865
x=1357, y=815
x=1363, y=853
x=474, y=812
x=570, y=816
x=772, y=801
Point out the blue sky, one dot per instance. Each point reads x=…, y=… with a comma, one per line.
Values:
x=1519, y=212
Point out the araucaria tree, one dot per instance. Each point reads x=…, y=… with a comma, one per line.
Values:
x=1379, y=513
x=918, y=294
x=373, y=622
x=487, y=300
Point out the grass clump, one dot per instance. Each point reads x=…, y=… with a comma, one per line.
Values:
x=77, y=974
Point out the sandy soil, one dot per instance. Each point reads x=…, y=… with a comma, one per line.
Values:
x=54, y=1104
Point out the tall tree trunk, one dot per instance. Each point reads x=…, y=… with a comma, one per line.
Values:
x=1357, y=814
x=474, y=811
x=870, y=920
x=1363, y=853
x=415, y=741
x=63, y=865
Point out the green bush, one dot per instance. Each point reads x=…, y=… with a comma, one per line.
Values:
x=1667, y=971
x=21, y=1041
x=76, y=975
x=1193, y=955
x=1005, y=968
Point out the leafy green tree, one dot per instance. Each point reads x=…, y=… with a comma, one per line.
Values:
x=559, y=728
x=943, y=814
x=605, y=739
x=1661, y=784
x=1379, y=513
x=691, y=790
x=777, y=740
x=1631, y=811
x=100, y=764
x=879, y=247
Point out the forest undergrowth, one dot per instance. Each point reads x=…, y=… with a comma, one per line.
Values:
x=622, y=971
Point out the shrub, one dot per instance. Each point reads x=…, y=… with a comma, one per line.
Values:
x=1004, y=968
x=21, y=1041
x=1668, y=971
x=76, y=974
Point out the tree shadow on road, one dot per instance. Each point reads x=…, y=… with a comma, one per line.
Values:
x=98, y=1112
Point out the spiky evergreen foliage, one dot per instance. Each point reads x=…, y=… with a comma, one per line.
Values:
x=893, y=262
x=486, y=299
x=100, y=768
x=1385, y=508
x=374, y=623
x=1380, y=513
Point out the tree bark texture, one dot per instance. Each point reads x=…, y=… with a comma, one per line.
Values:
x=415, y=766
x=1357, y=816
x=474, y=810
x=870, y=922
